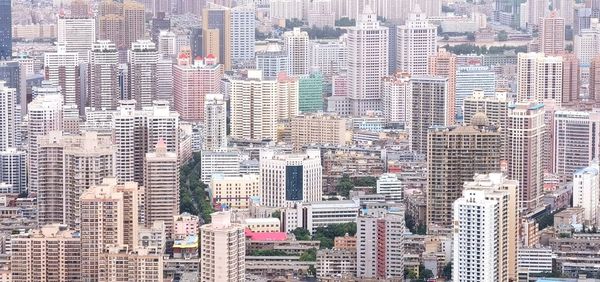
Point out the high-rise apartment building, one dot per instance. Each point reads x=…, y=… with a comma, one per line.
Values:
x=272, y=60
x=214, y=136
x=8, y=107
x=380, y=244
x=134, y=133
x=496, y=110
x=416, y=43
x=77, y=34
x=552, y=34
x=594, y=81
x=134, y=23
x=142, y=73
x=161, y=185
x=301, y=175
x=288, y=100
x=45, y=115
x=5, y=29
x=130, y=264
x=571, y=81
x=586, y=191
x=51, y=253
x=13, y=169
x=429, y=108
x=526, y=141
x=253, y=107
x=68, y=166
x=485, y=230
x=243, y=35
x=454, y=155
x=192, y=81
x=396, y=97
x=62, y=69
x=102, y=225
x=311, y=93
x=367, y=62
x=103, y=76
x=444, y=64
x=585, y=43
x=295, y=44
x=539, y=78
x=389, y=185
x=216, y=31
x=575, y=141
x=222, y=249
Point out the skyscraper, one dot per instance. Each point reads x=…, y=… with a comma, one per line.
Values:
x=496, y=110
x=416, y=43
x=7, y=116
x=253, y=107
x=62, y=69
x=571, y=78
x=215, y=123
x=222, y=249
x=143, y=58
x=484, y=230
x=594, y=80
x=301, y=175
x=243, y=35
x=454, y=155
x=396, y=97
x=540, y=78
x=525, y=138
x=367, y=62
x=216, y=31
x=552, y=34
x=444, y=64
x=77, y=34
x=429, y=108
x=136, y=130
x=295, y=43
x=103, y=76
x=134, y=23
x=45, y=115
x=161, y=185
x=102, y=225
x=192, y=81
x=5, y=29
x=67, y=167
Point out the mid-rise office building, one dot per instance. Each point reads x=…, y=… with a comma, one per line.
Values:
x=318, y=129
x=469, y=79
x=223, y=161
x=217, y=33
x=243, y=35
x=272, y=60
x=234, y=192
x=13, y=169
x=575, y=141
x=586, y=191
x=300, y=174
x=539, y=78
x=310, y=94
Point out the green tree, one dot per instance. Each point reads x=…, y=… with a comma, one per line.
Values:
x=309, y=255
x=269, y=253
x=345, y=22
x=471, y=36
x=447, y=271
x=502, y=35
x=344, y=186
x=301, y=234
x=424, y=273
x=276, y=214
x=291, y=24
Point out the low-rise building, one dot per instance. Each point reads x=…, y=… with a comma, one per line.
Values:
x=234, y=191
x=336, y=263
x=261, y=225
x=534, y=260
x=312, y=215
